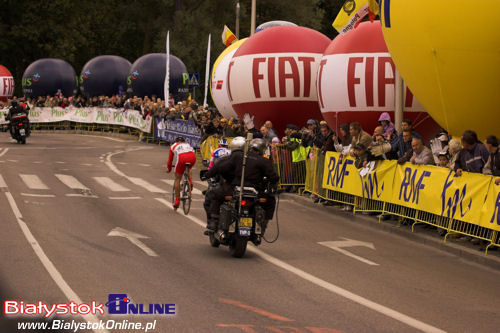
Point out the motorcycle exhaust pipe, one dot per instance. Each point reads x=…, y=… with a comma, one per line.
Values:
x=220, y=235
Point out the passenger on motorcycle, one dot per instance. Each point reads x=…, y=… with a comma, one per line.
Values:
x=257, y=168
x=219, y=152
x=237, y=143
x=180, y=153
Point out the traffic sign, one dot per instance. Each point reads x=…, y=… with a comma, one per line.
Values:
x=194, y=79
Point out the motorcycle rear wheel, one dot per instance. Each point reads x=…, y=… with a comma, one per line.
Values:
x=238, y=246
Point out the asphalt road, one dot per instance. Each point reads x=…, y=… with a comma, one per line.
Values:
x=62, y=194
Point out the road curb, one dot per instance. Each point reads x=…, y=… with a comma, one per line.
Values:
x=124, y=136
x=464, y=250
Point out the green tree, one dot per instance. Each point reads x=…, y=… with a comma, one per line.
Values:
x=77, y=31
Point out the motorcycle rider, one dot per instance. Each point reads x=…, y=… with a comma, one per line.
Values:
x=213, y=198
x=236, y=144
x=14, y=109
x=257, y=168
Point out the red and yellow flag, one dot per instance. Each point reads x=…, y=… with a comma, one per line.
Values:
x=227, y=36
x=352, y=12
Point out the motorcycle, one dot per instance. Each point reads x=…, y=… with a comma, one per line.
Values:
x=19, y=127
x=240, y=221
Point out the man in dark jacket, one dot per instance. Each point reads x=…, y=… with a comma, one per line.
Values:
x=473, y=156
x=492, y=166
x=399, y=144
x=330, y=138
x=310, y=134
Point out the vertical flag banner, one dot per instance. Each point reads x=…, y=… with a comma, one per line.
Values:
x=207, y=72
x=228, y=37
x=167, y=73
x=352, y=12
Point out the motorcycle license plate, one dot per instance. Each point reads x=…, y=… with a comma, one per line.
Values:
x=245, y=222
x=22, y=131
x=245, y=231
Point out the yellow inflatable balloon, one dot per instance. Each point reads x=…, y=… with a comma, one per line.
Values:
x=448, y=53
x=218, y=86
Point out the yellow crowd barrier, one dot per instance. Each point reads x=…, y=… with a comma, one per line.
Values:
x=466, y=205
x=290, y=173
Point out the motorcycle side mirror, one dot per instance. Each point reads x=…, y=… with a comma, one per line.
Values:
x=205, y=162
x=203, y=174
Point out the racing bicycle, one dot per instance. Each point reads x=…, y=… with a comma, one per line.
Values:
x=185, y=194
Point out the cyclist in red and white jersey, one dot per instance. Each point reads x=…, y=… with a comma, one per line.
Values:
x=180, y=153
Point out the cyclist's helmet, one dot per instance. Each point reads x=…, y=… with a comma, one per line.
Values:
x=238, y=143
x=223, y=142
x=258, y=145
x=180, y=139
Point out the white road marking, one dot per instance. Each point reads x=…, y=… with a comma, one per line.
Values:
x=105, y=137
x=122, y=163
x=38, y=162
x=148, y=186
x=125, y=198
x=134, y=239
x=71, y=182
x=4, y=152
x=13, y=161
x=60, y=162
x=2, y=182
x=40, y=148
x=137, y=181
x=49, y=266
x=337, y=246
x=82, y=195
x=144, y=164
x=2, y=161
x=86, y=164
x=33, y=182
x=327, y=285
x=171, y=183
x=38, y=195
x=111, y=184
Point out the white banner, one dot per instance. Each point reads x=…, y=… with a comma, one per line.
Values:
x=109, y=116
x=273, y=77
x=359, y=82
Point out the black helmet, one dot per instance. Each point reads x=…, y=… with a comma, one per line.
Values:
x=13, y=102
x=180, y=139
x=258, y=145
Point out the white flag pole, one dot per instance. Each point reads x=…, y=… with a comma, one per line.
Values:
x=207, y=73
x=166, y=91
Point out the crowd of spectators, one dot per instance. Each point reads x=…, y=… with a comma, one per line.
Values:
x=469, y=154
x=209, y=120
